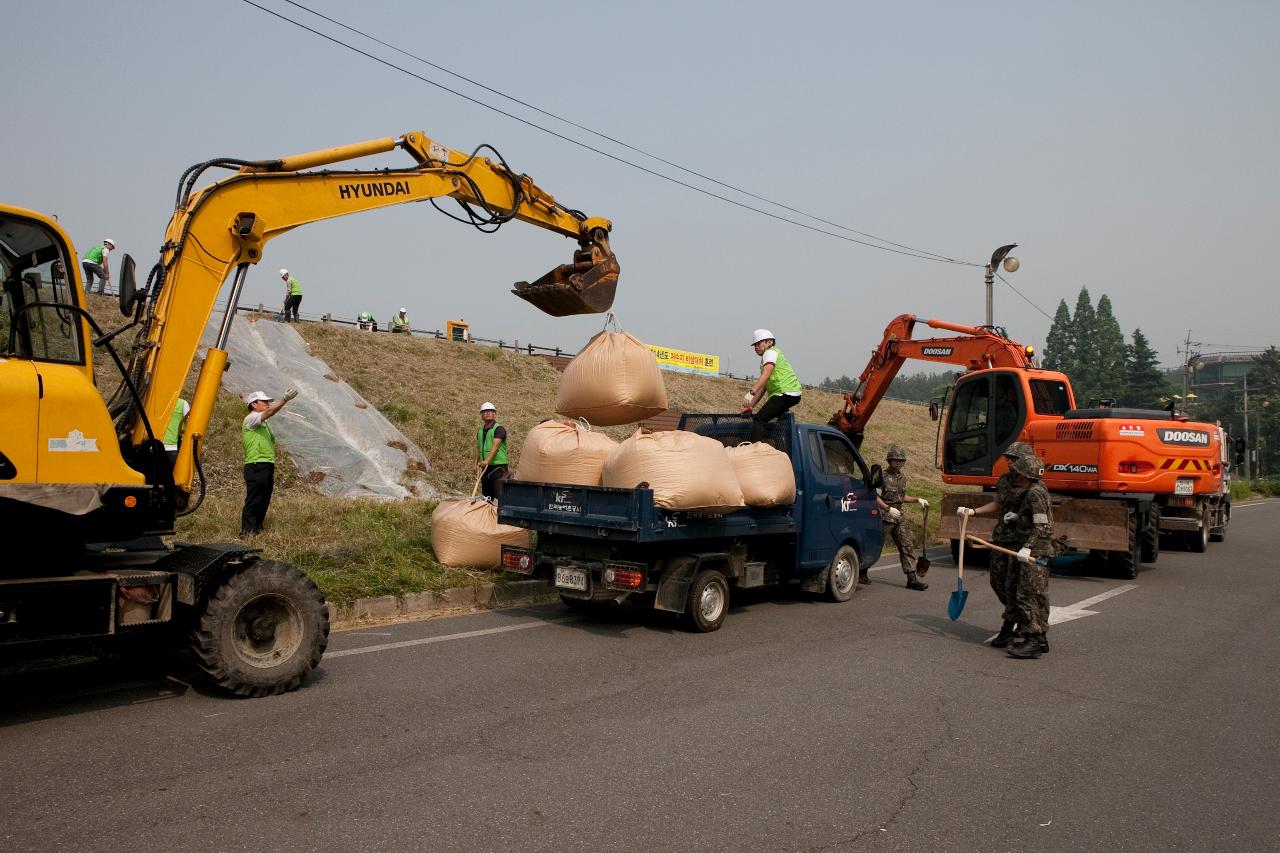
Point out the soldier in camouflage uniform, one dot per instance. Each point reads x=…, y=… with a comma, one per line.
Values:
x=892, y=495
x=1025, y=525
x=1004, y=569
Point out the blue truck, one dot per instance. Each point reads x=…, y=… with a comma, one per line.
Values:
x=598, y=545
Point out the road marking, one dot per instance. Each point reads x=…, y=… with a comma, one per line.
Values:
x=404, y=644
x=1058, y=615
x=1235, y=507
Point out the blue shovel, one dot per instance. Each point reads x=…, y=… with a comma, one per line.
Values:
x=960, y=596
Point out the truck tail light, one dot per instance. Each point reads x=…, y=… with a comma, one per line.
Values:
x=1136, y=467
x=519, y=560
x=623, y=577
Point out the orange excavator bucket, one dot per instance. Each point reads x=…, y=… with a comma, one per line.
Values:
x=586, y=286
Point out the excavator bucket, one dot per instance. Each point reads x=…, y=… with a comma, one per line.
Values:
x=585, y=286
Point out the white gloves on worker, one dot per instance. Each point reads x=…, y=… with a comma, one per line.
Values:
x=894, y=513
x=1010, y=517
x=924, y=503
x=749, y=398
x=1024, y=555
x=964, y=511
x=290, y=394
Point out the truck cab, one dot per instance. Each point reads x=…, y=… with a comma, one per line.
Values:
x=599, y=546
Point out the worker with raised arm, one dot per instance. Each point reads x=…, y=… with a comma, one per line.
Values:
x=292, y=296
x=892, y=495
x=777, y=382
x=259, y=458
x=97, y=262
x=491, y=452
x=1025, y=525
x=400, y=322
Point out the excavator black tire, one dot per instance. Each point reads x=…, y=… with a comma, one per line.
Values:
x=1125, y=564
x=263, y=630
x=1151, y=536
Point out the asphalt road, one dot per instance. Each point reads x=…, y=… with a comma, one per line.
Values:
x=801, y=725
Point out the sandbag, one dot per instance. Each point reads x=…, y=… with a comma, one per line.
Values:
x=614, y=380
x=466, y=532
x=686, y=471
x=564, y=452
x=764, y=474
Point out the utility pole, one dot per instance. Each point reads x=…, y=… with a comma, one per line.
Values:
x=1248, y=468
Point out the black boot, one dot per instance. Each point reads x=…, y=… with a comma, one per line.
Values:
x=1028, y=648
x=1006, y=634
x=864, y=578
x=1044, y=644
x=914, y=582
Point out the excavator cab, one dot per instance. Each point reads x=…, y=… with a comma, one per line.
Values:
x=988, y=410
x=586, y=286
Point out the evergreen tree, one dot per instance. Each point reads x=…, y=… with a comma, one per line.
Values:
x=1144, y=382
x=1110, y=376
x=1264, y=376
x=1057, y=346
x=1084, y=349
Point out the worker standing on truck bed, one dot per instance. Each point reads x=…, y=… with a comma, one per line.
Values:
x=777, y=381
x=892, y=495
x=491, y=452
x=259, y=458
x=1025, y=524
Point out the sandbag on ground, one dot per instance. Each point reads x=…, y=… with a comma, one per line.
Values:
x=686, y=471
x=564, y=452
x=466, y=532
x=614, y=380
x=764, y=474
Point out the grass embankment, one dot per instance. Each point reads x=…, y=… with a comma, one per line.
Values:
x=432, y=391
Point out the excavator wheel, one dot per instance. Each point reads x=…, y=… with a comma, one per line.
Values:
x=1151, y=536
x=1125, y=564
x=262, y=631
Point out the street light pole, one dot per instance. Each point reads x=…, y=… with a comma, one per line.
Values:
x=1248, y=469
x=1010, y=265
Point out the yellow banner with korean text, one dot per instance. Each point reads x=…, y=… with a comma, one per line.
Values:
x=685, y=362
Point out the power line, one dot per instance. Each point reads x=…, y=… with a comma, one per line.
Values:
x=1024, y=298
x=912, y=253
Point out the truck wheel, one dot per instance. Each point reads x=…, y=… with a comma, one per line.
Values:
x=1198, y=540
x=842, y=574
x=263, y=630
x=1151, y=536
x=708, y=601
x=1125, y=564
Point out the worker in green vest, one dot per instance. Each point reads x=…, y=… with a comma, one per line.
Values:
x=292, y=296
x=491, y=452
x=259, y=458
x=177, y=425
x=400, y=322
x=96, y=262
x=365, y=321
x=777, y=381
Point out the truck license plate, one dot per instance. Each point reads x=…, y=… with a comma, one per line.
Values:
x=571, y=579
x=1184, y=486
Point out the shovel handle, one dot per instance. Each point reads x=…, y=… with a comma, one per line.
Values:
x=991, y=546
x=964, y=524
x=476, y=487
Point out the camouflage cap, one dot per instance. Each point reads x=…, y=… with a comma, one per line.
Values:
x=1028, y=466
x=896, y=451
x=1018, y=448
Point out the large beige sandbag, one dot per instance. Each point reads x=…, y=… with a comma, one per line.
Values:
x=764, y=473
x=685, y=470
x=564, y=452
x=614, y=380
x=466, y=532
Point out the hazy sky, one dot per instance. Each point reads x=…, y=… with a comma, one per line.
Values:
x=1130, y=147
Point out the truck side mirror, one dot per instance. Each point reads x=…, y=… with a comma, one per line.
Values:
x=933, y=410
x=128, y=285
x=877, y=477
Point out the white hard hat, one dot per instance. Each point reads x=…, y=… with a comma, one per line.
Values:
x=284, y=272
x=112, y=242
x=404, y=310
x=761, y=335
x=488, y=407
x=256, y=396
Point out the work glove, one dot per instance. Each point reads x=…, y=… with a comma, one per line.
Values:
x=1010, y=517
x=1024, y=555
x=748, y=398
x=924, y=503
x=964, y=511
x=290, y=394
x=894, y=513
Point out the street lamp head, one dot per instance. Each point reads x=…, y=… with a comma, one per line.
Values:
x=1011, y=264
x=999, y=255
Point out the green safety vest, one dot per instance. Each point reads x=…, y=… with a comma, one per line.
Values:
x=174, y=430
x=484, y=440
x=295, y=287
x=95, y=254
x=783, y=380
x=365, y=317
x=400, y=321
x=259, y=443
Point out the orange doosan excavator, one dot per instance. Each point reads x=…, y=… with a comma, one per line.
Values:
x=1119, y=477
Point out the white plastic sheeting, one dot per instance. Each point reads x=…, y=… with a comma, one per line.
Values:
x=334, y=437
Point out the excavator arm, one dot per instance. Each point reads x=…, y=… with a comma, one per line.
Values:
x=976, y=348
x=226, y=225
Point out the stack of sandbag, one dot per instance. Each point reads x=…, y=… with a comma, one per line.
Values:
x=564, y=452
x=466, y=532
x=614, y=380
x=764, y=474
x=686, y=471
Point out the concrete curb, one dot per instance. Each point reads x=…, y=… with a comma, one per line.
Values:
x=480, y=596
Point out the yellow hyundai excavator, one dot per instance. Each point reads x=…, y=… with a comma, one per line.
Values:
x=86, y=488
